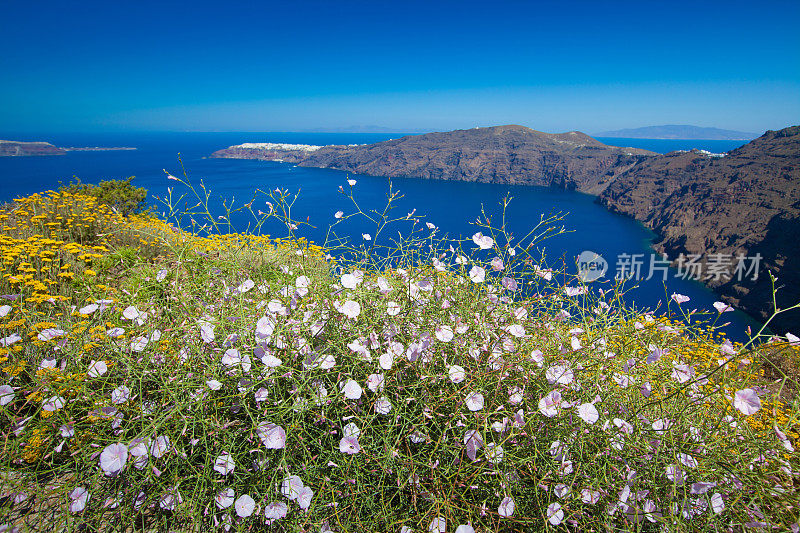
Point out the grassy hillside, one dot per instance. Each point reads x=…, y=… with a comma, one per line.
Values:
x=153, y=379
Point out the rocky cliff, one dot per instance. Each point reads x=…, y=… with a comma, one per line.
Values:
x=18, y=148
x=500, y=154
x=745, y=203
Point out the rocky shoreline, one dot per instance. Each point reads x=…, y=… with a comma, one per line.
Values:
x=741, y=205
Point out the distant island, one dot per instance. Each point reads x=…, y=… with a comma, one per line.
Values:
x=40, y=148
x=672, y=131
x=743, y=203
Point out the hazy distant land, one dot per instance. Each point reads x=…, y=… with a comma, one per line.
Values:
x=38, y=148
x=672, y=131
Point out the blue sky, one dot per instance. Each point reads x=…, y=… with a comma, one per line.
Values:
x=405, y=66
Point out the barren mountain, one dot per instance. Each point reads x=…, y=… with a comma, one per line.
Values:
x=500, y=154
x=745, y=203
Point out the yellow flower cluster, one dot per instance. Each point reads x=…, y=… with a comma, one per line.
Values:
x=36, y=444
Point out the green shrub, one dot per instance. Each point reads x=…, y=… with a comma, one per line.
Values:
x=121, y=195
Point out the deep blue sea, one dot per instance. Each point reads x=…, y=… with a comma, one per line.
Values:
x=450, y=205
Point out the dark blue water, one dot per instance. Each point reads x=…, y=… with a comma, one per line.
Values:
x=449, y=205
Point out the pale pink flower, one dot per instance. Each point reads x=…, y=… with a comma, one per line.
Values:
x=722, y=307
x=545, y=273
x=497, y=264
x=574, y=291
x=655, y=354
x=50, y=334
x=54, y=404
x=560, y=374
x=97, y=369
x=554, y=513
x=246, y=286
x=338, y=214
x=291, y=487
x=484, y=242
x=160, y=446
x=717, y=503
x=473, y=442
x=477, y=274
x=506, y=507
x=679, y=298
x=393, y=308
x=515, y=330
x=726, y=348
x=675, y=474
x=224, y=498
x=113, y=459
x=682, y=373
x=270, y=361
x=88, y=309
x=207, y=332
x=438, y=525
x=464, y=528
x=351, y=182
x=78, y=498
x=456, y=373
x=375, y=382
x=747, y=401
x=494, y=453
x=588, y=413
x=120, y=395
x=6, y=394
x=170, y=499
x=139, y=343
x=304, y=498
x=366, y=236
x=264, y=328
x=224, y=464
x=349, y=445
x=660, y=425
x=352, y=390
x=383, y=406
x=275, y=511
x=575, y=343
x=349, y=281
x=386, y=360
x=702, y=487
x=444, y=333
x=131, y=313
x=244, y=505
x=590, y=496
x=321, y=361
x=550, y=404
x=272, y=436
x=474, y=401
x=10, y=339
x=261, y=394
x=213, y=384
x=687, y=460
x=350, y=309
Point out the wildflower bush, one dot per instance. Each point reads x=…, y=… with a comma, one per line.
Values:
x=120, y=195
x=155, y=379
